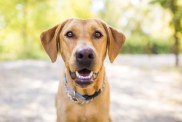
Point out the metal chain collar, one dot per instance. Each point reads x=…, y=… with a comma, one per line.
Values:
x=78, y=98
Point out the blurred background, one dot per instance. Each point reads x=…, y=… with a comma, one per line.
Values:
x=146, y=79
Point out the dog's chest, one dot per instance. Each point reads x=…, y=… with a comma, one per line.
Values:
x=82, y=119
x=86, y=113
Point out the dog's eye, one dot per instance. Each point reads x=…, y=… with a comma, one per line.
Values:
x=69, y=34
x=98, y=34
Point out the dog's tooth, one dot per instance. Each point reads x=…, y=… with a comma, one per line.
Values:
x=77, y=74
x=82, y=77
x=94, y=76
x=90, y=75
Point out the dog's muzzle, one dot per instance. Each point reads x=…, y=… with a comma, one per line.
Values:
x=85, y=58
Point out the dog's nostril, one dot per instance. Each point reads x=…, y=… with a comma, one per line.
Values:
x=91, y=56
x=79, y=55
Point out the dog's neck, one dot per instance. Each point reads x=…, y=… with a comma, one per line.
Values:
x=91, y=89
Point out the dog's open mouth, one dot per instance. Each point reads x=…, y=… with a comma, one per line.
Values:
x=84, y=77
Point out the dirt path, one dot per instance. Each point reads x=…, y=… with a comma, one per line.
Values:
x=143, y=89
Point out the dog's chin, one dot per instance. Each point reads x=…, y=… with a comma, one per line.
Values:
x=84, y=77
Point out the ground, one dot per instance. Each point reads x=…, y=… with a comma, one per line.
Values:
x=143, y=89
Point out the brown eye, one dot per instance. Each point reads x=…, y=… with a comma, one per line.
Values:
x=69, y=34
x=98, y=34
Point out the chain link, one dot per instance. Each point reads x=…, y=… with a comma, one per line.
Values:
x=77, y=100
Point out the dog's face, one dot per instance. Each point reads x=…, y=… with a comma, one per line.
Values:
x=83, y=45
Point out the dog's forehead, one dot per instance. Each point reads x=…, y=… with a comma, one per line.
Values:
x=84, y=23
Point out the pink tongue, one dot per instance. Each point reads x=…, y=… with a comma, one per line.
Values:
x=84, y=72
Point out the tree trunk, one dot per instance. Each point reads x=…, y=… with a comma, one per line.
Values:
x=176, y=49
x=24, y=25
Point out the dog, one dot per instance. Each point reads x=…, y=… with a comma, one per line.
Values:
x=83, y=93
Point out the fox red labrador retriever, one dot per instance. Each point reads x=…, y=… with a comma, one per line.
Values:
x=83, y=94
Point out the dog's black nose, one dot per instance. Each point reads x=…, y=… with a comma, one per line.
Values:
x=85, y=56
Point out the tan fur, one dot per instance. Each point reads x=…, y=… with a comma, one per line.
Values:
x=54, y=40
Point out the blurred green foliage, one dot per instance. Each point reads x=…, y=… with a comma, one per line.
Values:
x=175, y=9
x=145, y=45
x=22, y=21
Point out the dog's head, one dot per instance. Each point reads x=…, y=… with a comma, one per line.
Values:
x=83, y=44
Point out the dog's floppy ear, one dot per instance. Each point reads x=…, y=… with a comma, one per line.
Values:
x=50, y=40
x=116, y=40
